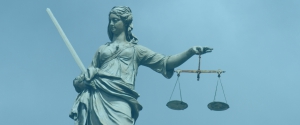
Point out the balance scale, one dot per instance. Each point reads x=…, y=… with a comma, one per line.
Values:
x=214, y=105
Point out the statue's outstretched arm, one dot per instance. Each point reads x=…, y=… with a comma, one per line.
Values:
x=178, y=59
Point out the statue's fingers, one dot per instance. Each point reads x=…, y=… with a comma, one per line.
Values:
x=207, y=48
x=208, y=51
x=198, y=48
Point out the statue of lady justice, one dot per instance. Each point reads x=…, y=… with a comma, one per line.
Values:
x=106, y=89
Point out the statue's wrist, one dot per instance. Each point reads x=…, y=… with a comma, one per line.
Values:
x=191, y=52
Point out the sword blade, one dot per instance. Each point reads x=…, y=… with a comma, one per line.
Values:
x=66, y=40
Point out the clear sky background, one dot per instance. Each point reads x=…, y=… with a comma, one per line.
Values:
x=256, y=41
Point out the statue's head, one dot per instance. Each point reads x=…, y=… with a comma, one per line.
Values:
x=125, y=14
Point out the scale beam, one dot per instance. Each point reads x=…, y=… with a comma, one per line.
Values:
x=200, y=71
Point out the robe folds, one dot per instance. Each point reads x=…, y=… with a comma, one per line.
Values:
x=110, y=98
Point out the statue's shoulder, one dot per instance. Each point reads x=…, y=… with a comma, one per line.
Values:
x=101, y=47
x=142, y=50
x=140, y=47
x=106, y=44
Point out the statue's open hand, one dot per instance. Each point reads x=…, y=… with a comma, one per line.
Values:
x=202, y=50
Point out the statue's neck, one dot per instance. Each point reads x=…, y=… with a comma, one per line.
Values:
x=118, y=38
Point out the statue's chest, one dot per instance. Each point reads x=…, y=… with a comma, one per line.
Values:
x=125, y=55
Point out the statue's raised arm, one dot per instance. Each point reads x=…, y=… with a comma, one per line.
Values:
x=176, y=60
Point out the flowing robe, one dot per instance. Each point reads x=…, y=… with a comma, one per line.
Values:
x=109, y=98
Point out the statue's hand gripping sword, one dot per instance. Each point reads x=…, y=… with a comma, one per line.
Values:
x=66, y=40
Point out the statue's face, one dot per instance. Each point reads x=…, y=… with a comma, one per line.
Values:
x=116, y=25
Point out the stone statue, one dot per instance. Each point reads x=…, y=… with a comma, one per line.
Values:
x=106, y=89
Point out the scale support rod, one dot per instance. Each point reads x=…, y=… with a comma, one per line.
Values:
x=200, y=71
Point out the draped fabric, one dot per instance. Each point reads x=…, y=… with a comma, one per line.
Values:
x=109, y=98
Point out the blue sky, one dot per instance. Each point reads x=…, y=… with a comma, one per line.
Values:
x=256, y=42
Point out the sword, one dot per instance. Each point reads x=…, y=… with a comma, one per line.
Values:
x=66, y=40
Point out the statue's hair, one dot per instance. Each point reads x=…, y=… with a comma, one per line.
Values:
x=125, y=14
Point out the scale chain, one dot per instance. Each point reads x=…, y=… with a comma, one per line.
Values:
x=223, y=90
x=177, y=81
x=180, y=91
x=174, y=86
x=216, y=89
x=198, y=74
x=219, y=79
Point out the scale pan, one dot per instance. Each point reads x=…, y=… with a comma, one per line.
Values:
x=177, y=105
x=218, y=106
